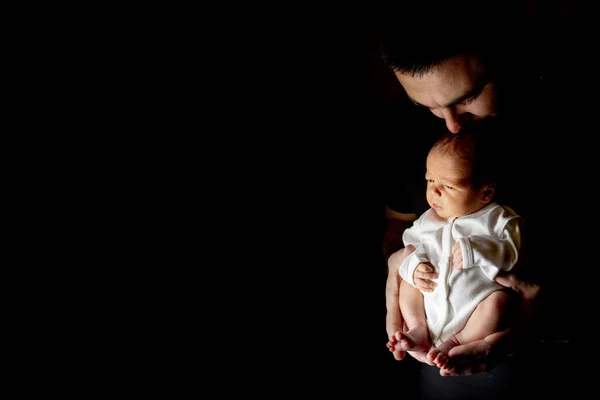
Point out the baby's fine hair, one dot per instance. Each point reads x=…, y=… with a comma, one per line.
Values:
x=478, y=147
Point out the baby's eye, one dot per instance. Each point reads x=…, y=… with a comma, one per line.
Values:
x=448, y=187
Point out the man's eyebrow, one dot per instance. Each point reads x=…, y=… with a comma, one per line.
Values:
x=482, y=82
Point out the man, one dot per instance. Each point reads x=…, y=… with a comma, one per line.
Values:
x=462, y=66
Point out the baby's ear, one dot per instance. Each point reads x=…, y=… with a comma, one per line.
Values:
x=488, y=192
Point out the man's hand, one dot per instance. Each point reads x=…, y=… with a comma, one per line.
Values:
x=479, y=356
x=393, y=319
x=529, y=291
x=422, y=277
x=483, y=355
x=421, y=356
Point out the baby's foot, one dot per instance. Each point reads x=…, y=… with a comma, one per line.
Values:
x=393, y=347
x=415, y=339
x=439, y=355
x=394, y=323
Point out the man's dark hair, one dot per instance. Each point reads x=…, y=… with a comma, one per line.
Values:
x=415, y=38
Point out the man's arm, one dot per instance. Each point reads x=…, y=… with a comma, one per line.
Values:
x=396, y=224
x=482, y=355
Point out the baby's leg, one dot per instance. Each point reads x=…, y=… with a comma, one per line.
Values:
x=416, y=335
x=487, y=318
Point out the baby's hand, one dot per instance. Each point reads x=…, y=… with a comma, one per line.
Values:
x=457, y=256
x=422, y=277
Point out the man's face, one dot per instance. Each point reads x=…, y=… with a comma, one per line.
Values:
x=458, y=90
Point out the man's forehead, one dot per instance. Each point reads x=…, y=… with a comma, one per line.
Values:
x=444, y=84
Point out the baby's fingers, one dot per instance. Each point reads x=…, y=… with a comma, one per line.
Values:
x=425, y=285
x=423, y=267
x=429, y=274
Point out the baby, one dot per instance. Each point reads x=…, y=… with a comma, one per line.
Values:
x=462, y=242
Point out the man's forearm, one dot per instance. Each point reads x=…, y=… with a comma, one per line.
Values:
x=392, y=236
x=392, y=302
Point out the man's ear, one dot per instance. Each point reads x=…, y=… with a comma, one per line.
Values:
x=488, y=192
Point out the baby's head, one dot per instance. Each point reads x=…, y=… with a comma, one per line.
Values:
x=461, y=176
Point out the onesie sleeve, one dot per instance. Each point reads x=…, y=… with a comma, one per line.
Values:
x=412, y=236
x=408, y=266
x=495, y=252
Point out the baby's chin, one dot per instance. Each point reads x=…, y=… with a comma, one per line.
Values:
x=441, y=214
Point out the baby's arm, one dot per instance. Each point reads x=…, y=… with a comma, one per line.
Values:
x=416, y=269
x=416, y=260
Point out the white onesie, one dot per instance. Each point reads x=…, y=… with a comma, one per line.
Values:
x=490, y=241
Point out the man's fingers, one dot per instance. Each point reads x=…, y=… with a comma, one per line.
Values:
x=469, y=359
x=476, y=357
x=506, y=280
x=528, y=290
x=473, y=350
x=463, y=370
x=420, y=356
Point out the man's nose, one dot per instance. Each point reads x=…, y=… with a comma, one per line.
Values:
x=453, y=122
